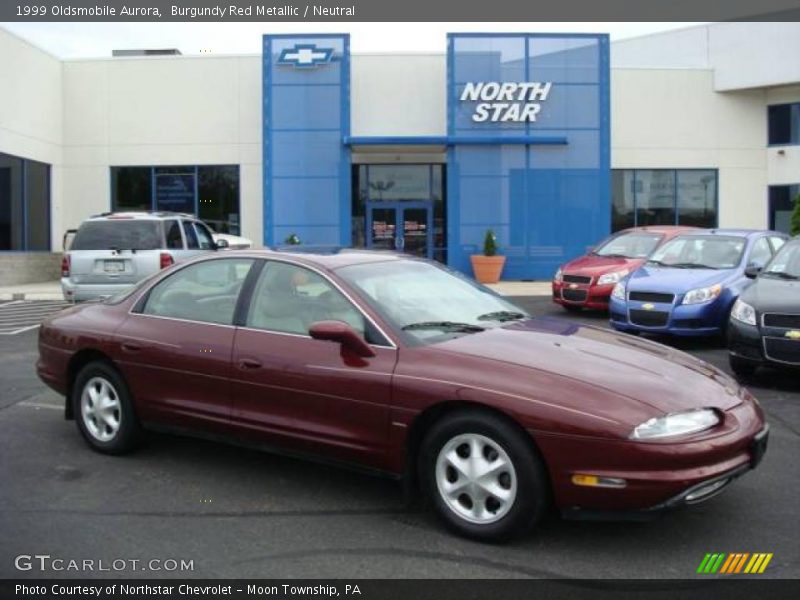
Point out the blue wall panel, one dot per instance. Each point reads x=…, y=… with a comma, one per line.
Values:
x=545, y=203
x=306, y=116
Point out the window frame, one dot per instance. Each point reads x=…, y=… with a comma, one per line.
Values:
x=791, y=142
x=25, y=208
x=138, y=307
x=756, y=242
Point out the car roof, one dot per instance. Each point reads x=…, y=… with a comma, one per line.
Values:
x=665, y=229
x=329, y=260
x=139, y=215
x=735, y=232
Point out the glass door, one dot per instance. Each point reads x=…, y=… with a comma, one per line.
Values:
x=401, y=226
x=416, y=230
x=382, y=223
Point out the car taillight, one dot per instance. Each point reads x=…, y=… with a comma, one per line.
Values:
x=65, y=265
x=166, y=260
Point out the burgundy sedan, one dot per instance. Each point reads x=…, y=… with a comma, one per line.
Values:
x=402, y=367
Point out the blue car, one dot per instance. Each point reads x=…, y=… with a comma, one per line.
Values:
x=689, y=284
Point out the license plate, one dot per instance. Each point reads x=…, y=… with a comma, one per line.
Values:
x=113, y=266
x=759, y=447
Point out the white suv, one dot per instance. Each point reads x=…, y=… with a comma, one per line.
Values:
x=113, y=251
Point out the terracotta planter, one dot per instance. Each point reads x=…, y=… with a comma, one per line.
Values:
x=487, y=269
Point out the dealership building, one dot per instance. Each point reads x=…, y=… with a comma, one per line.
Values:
x=550, y=140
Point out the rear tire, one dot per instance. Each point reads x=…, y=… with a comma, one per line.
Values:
x=103, y=409
x=743, y=369
x=483, y=476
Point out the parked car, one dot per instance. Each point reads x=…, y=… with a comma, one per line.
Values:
x=765, y=321
x=402, y=367
x=688, y=286
x=587, y=281
x=112, y=251
x=234, y=242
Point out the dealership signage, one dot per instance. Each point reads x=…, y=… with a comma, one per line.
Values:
x=507, y=101
x=305, y=56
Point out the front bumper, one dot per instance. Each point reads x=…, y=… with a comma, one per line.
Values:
x=584, y=295
x=673, y=319
x=750, y=343
x=82, y=292
x=656, y=475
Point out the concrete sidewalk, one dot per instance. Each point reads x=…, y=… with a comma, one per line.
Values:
x=51, y=290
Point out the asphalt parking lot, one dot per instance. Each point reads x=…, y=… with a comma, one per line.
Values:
x=239, y=513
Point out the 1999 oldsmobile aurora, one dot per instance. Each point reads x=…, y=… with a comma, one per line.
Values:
x=400, y=366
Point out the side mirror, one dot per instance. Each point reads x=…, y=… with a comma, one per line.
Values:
x=752, y=271
x=342, y=333
x=221, y=244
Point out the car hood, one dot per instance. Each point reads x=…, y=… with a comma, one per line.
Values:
x=593, y=266
x=677, y=281
x=774, y=295
x=666, y=379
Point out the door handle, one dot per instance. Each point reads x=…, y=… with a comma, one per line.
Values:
x=131, y=347
x=249, y=363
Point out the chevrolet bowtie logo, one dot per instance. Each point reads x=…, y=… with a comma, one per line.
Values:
x=305, y=56
x=794, y=334
x=648, y=306
x=573, y=286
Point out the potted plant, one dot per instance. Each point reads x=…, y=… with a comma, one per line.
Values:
x=794, y=223
x=292, y=240
x=489, y=265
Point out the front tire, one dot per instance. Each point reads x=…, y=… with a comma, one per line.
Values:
x=483, y=476
x=103, y=409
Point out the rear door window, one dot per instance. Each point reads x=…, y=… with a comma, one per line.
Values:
x=205, y=292
x=172, y=233
x=123, y=234
x=191, y=236
x=761, y=253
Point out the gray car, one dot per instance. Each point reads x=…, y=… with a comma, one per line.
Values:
x=113, y=251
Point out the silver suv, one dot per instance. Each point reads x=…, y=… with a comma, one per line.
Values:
x=113, y=251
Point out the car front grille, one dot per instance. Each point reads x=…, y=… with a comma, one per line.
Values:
x=781, y=321
x=651, y=297
x=576, y=279
x=782, y=350
x=649, y=318
x=574, y=295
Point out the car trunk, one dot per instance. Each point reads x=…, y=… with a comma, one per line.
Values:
x=112, y=266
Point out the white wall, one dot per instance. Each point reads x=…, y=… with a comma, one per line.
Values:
x=742, y=55
x=398, y=94
x=161, y=111
x=30, y=111
x=672, y=118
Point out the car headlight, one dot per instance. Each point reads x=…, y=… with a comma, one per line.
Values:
x=557, y=277
x=619, y=291
x=706, y=294
x=682, y=423
x=614, y=277
x=743, y=312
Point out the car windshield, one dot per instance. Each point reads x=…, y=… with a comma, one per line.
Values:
x=700, y=252
x=786, y=264
x=428, y=302
x=629, y=245
x=122, y=234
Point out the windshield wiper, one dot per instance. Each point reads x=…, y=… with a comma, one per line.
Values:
x=444, y=326
x=658, y=262
x=688, y=265
x=614, y=255
x=782, y=275
x=502, y=315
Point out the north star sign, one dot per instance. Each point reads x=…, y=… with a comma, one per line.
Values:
x=506, y=102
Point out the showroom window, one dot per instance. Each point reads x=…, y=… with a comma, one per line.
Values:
x=209, y=191
x=24, y=204
x=781, y=205
x=642, y=197
x=784, y=124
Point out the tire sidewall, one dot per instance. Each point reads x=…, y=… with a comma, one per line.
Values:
x=128, y=432
x=532, y=484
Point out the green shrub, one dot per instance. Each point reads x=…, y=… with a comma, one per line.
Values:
x=489, y=243
x=794, y=223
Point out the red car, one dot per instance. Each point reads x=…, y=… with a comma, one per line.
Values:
x=587, y=282
x=402, y=367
